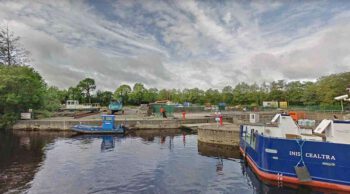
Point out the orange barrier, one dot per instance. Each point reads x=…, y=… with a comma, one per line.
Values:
x=297, y=115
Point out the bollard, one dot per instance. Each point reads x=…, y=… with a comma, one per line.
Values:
x=221, y=123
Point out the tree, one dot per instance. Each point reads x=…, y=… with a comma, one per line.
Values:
x=227, y=94
x=21, y=88
x=11, y=52
x=212, y=96
x=87, y=85
x=240, y=94
x=310, y=95
x=53, y=98
x=294, y=92
x=74, y=93
x=122, y=92
x=150, y=95
x=137, y=94
x=331, y=86
x=277, y=90
x=104, y=97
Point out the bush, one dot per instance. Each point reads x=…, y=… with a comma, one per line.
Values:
x=21, y=88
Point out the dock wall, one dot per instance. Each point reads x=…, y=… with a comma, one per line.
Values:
x=223, y=135
x=156, y=123
x=62, y=125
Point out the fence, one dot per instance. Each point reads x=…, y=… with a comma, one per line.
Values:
x=318, y=108
x=169, y=109
x=189, y=109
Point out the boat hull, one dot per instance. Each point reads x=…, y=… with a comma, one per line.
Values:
x=275, y=159
x=87, y=129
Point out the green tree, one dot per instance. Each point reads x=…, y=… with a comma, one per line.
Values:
x=122, y=92
x=150, y=95
x=104, y=97
x=21, y=88
x=87, y=85
x=240, y=94
x=137, y=94
x=277, y=91
x=310, y=95
x=331, y=86
x=53, y=98
x=75, y=93
x=294, y=92
x=212, y=96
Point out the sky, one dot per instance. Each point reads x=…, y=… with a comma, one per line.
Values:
x=181, y=44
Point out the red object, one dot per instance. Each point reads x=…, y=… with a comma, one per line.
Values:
x=297, y=115
x=183, y=115
x=221, y=120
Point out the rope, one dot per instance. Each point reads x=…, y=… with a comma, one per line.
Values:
x=301, y=151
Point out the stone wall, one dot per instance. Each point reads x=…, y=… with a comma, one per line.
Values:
x=223, y=135
x=217, y=150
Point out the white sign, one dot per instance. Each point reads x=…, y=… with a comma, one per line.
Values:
x=26, y=116
x=313, y=155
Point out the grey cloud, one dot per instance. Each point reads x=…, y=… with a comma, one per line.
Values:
x=329, y=54
x=181, y=44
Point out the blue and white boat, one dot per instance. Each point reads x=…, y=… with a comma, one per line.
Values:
x=107, y=127
x=281, y=152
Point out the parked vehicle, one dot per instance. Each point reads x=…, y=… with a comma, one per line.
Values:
x=115, y=106
x=73, y=105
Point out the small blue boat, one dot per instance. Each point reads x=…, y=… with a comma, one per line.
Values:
x=107, y=127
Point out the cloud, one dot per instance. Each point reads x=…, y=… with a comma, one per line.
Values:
x=182, y=43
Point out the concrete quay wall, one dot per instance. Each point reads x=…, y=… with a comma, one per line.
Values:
x=223, y=135
x=62, y=125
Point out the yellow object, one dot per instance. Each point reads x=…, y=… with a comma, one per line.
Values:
x=283, y=104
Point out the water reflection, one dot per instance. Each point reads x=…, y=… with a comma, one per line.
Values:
x=107, y=143
x=218, y=151
x=275, y=187
x=220, y=166
x=21, y=153
x=145, y=162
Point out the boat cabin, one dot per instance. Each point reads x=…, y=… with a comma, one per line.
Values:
x=281, y=125
x=108, y=122
x=337, y=131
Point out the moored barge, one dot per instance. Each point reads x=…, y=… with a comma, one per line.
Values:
x=279, y=151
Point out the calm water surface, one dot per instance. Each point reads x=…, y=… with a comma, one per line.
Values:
x=152, y=162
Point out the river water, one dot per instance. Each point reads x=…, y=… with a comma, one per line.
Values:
x=149, y=162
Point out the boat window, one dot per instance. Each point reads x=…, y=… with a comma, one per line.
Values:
x=250, y=137
x=108, y=119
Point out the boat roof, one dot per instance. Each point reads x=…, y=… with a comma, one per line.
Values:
x=341, y=121
x=108, y=116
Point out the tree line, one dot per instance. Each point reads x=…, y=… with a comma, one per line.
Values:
x=22, y=88
x=321, y=92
